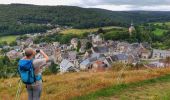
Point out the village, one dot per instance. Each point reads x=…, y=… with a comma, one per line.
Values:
x=92, y=52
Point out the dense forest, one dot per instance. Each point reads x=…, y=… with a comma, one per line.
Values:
x=21, y=18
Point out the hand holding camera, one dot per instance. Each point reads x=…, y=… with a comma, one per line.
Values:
x=37, y=51
x=44, y=54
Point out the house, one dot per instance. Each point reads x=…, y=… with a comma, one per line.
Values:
x=42, y=44
x=133, y=59
x=112, y=49
x=83, y=44
x=135, y=45
x=98, y=56
x=74, y=42
x=146, y=45
x=67, y=66
x=17, y=48
x=47, y=48
x=56, y=44
x=100, y=50
x=28, y=42
x=144, y=53
x=156, y=64
x=123, y=58
x=87, y=54
x=87, y=63
x=90, y=36
x=6, y=47
x=13, y=54
x=64, y=47
x=109, y=42
x=97, y=40
x=99, y=66
x=72, y=57
x=108, y=61
x=59, y=55
x=33, y=46
x=123, y=47
x=160, y=54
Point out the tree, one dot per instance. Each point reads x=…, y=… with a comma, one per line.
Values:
x=167, y=61
x=14, y=43
x=78, y=46
x=6, y=60
x=54, y=68
x=100, y=30
x=88, y=45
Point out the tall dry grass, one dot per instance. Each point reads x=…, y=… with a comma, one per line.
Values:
x=66, y=86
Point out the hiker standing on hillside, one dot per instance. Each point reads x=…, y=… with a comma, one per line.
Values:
x=30, y=70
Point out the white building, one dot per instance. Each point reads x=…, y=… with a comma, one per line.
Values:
x=160, y=54
x=74, y=42
x=66, y=66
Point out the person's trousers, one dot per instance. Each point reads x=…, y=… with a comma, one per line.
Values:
x=34, y=92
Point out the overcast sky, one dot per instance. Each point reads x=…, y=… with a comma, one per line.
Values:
x=115, y=5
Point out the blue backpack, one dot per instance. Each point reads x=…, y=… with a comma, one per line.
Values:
x=26, y=72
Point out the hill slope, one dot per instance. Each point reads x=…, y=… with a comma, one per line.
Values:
x=20, y=18
x=70, y=85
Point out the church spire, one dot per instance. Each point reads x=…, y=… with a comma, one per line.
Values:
x=132, y=23
x=131, y=28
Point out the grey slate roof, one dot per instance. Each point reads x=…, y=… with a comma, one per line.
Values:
x=100, y=49
x=119, y=57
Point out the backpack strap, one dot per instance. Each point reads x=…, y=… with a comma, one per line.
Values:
x=37, y=77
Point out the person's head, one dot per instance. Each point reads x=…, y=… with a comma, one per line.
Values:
x=29, y=53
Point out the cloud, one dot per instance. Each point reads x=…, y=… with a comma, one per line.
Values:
x=133, y=7
x=126, y=2
x=156, y=8
x=43, y=2
x=114, y=7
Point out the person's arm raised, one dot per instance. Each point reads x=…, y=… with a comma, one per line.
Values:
x=45, y=55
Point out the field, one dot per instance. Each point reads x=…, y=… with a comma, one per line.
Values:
x=72, y=85
x=159, y=23
x=8, y=39
x=80, y=31
x=159, y=32
x=152, y=89
x=145, y=92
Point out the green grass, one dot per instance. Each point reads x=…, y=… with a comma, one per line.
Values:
x=159, y=32
x=127, y=91
x=8, y=39
x=160, y=23
x=80, y=31
x=154, y=91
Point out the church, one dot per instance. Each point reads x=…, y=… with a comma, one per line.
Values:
x=131, y=28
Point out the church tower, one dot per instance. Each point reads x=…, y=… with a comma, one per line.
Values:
x=131, y=28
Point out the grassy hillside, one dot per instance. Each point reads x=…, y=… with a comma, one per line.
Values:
x=159, y=32
x=71, y=85
x=8, y=39
x=81, y=31
x=161, y=23
x=159, y=90
x=152, y=89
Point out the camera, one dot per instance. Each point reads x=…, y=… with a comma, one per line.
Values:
x=37, y=51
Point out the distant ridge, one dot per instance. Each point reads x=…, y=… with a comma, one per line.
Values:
x=16, y=18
